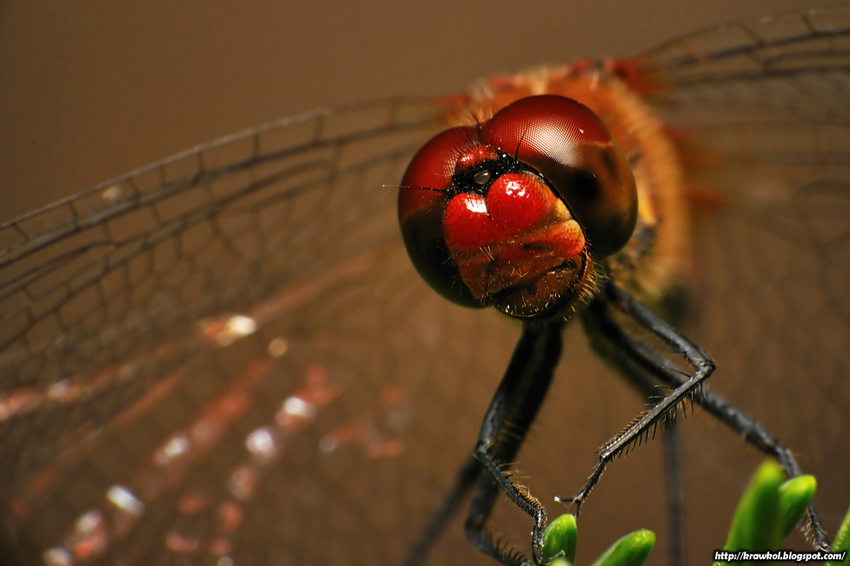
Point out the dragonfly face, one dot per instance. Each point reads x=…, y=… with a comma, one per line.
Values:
x=222, y=453
x=486, y=227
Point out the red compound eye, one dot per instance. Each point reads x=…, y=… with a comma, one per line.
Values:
x=571, y=148
x=422, y=201
x=506, y=214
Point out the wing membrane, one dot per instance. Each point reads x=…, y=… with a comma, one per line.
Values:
x=760, y=107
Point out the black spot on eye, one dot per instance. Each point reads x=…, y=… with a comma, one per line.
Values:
x=585, y=186
x=609, y=163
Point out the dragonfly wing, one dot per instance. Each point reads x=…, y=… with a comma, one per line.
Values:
x=217, y=355
x=760, y=109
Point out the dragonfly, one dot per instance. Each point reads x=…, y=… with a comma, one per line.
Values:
x=200, y=368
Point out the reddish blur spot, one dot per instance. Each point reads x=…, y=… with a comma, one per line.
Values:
x=220, y=547
x=230, y=514
x=180, y=544
x=192, y=503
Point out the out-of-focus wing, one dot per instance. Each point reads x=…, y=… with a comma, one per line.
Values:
x=172, y=337
x=762, y=110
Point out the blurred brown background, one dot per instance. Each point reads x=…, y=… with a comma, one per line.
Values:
x=92, y=89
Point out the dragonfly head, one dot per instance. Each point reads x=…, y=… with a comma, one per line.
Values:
x=513, y=212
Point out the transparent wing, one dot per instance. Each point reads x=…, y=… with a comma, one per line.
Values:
x=197, y=356
x=761, y=110
x=99, y=285
x=227, y=356
x=772, y=52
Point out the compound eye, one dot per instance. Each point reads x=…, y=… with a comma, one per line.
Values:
x=509, y=213
x=422, y=200
x=568, y=144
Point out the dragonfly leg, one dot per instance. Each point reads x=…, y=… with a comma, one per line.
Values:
x=606, y=336
x=643, y=425
x=639, y=361
x=505, y=424
x=754, y=433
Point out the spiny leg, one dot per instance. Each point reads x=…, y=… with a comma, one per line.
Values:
x=638, y=360
x=699, y=360
x=605, y=338
x=506, y=422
